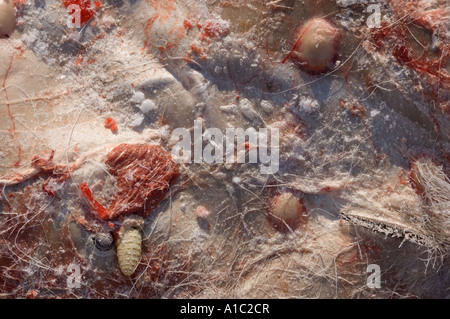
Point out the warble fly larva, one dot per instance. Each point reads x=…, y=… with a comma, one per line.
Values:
x=129, y=245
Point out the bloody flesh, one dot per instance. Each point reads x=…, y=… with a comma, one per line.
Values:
x=144, y=174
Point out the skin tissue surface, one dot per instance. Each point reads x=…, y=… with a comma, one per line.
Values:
x=120, y=176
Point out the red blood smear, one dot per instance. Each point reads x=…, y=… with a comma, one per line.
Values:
x=32, y=294
x=113, y=127
x=198, y=51
x=111, y=124
x=213, y=29
x=187, y=25
x=86, y=9
x=402, y=55
x=102, y=212
x=48, y=190
x=109, y=121
x=327, y=189
x=148, y=27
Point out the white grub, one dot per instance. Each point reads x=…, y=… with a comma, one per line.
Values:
x=129, y=245
x=147, y=106
x=7, y=17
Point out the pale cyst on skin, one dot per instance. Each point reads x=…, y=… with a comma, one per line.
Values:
x=7, y=17
x=287, y=208
x=318, y=40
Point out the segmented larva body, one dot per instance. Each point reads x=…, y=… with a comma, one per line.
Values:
x=129, y=246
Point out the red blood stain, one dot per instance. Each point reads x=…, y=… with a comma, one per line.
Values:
x=403, y=182
x=248, y=146
x=111, y=124
x=114, y=127
x=187, y=25
x=326, y=189
x=404, y=56
x=46, y=165
x=79, y=59
x=198, y=51
x=164, y=7
x=48, y=190
x=109, y=121
x=148, y=25
x=102, y=212
x=214, y=29
x=32, y=294
x=430, y=68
